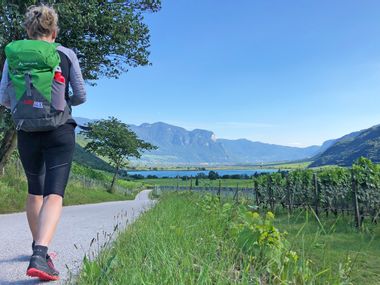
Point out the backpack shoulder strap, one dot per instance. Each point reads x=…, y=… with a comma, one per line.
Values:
x=65, y=65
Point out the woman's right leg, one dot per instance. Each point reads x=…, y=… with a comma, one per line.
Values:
x=48, y=219
x=58, y=152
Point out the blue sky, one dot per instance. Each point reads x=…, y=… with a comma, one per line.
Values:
x=285, y=72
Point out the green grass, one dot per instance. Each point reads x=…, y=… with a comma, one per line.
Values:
x=13, y=188
x=334, y=240
x=179, y=242
x=289, y=165
x=137, y=165
x=75, y=194
x=242, y=183
x=173, y=243
x=12, y=195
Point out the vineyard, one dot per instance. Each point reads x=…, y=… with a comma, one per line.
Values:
x=328, y=191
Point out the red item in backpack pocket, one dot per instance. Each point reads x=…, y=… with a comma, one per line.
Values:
x=58, y=75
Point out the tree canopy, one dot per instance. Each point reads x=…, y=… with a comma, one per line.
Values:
x=112, y=139
x=108, y=37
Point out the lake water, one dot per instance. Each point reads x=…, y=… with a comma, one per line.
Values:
x=175, y=173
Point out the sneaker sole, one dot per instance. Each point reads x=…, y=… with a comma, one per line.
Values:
x=33, y=272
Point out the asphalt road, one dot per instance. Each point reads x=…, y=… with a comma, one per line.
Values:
x=82, y=230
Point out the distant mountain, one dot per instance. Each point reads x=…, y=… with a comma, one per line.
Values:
x=180, y=146
x=177, y=145
x=245, y=151
x=347, y=149
x=82, y=122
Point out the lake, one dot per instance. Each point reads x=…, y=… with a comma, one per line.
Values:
x=175, y=173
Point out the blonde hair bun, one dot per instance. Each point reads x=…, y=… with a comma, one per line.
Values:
x=40, y=21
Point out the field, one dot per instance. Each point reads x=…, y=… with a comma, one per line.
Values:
x=190, y=238
x=85, y=186
x=201, y=182
x=335, y=242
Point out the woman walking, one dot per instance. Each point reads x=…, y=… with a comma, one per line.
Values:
x=29, y=86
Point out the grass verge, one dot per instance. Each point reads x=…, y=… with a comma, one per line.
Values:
x=333, y=240
x=84, y=187
x=192, y=239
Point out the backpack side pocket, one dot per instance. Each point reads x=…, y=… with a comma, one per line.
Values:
x=10, y=95
x=58, y=100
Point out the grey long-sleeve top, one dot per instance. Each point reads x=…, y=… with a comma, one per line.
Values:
x=76, y=80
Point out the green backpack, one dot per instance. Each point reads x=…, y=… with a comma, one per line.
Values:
x=36, y=87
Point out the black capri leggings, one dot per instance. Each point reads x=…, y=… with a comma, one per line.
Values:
x=46, y=158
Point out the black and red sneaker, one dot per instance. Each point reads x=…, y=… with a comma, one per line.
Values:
x=48, y=259
x=50, y=263
x=38, y=267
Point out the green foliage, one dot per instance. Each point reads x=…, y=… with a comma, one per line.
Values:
x=87, y=158
x=334, y=192
x=333, y=245
x=213, y=175
x=113, y=139
x=13, y=187
x=78, y=169
x=189, y=238
x=108, y=37
x=367, y=177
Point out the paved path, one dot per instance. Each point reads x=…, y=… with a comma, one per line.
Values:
x=82, y=230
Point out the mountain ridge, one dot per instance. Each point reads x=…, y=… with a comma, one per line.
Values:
x=176, y=145
x=350, y=147
x=198, y=146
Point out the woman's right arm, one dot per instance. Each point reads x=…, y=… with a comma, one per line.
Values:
x=4, y=97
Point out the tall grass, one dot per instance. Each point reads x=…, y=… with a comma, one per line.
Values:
x=188, y=238
x=333, y=243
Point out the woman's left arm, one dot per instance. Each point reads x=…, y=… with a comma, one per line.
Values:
x=4, y=97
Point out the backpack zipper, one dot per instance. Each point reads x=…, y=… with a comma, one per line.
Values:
x=28, y=81
x=18, y=127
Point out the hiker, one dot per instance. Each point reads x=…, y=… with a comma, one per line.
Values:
x=35, y=87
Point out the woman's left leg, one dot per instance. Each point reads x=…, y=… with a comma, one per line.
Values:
x=32, y=158
x=33, y=208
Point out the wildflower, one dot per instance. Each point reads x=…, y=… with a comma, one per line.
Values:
x=255, y=216
x=269, y=216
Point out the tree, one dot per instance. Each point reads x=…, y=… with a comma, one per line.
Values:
x=213, y=175
x=113, y=140
x=108, y=37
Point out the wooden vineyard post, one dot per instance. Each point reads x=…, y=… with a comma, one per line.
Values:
x=256, y=192
x=316, y=194
x=220, y=186
x=177, y=183
x=270, y=192
x=356, y=202
x=290, y=208
x=236, y=195
x=191, y=183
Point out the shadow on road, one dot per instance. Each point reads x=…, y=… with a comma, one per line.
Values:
x=22, y=282
x=22, y=257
